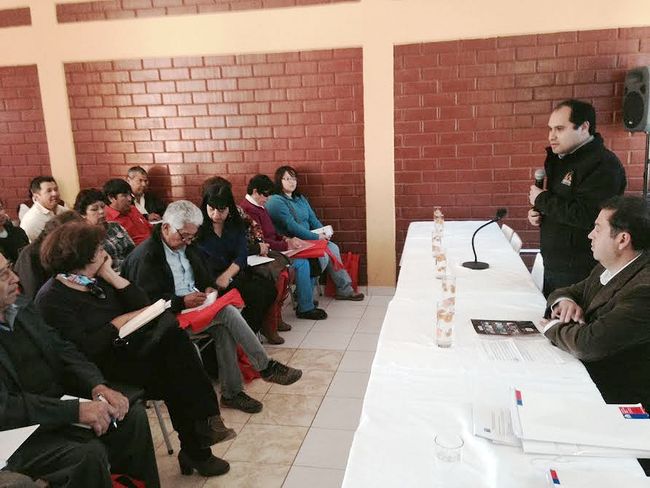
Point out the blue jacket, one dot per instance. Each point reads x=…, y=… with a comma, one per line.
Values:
x=293, y=217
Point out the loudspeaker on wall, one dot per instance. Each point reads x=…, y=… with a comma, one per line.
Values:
x=635, y=100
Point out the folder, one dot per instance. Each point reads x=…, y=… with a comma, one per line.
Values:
x=144, y=317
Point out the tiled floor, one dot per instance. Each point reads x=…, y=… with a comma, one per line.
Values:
x=303, y=435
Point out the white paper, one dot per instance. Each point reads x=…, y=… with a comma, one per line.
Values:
x=560, y=449
x=572, y=477
x=494, y=423
x=11, y=440
x=256, y=259
x=209, y=300
x=327, y=230
x=522, y=351
x=144, y=317
x=500, y=350
x=571, y=418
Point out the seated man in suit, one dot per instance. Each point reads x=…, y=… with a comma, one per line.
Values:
x=37, y=367
x=169, y=266
x=605, y=319
x=146, y=202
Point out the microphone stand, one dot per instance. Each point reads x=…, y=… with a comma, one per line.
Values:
x=478, y=264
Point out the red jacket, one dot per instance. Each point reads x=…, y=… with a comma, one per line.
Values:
x=134, y=223
x=262, y=217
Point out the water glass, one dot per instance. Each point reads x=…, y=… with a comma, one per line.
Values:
x=437, y=212
x=436, y=243
x=449, y=289
x=444, y=324
x=441, y=263
x=449, y=447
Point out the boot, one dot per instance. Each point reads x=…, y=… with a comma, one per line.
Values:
x=212, y=431
x=212, y=466
x=270, y=332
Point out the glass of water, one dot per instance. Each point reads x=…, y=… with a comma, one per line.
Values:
x=444, y=324
x=449, y=447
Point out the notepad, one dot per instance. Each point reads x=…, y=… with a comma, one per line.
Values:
x=209, y=300
x=144, y=317
x=256, y=260
x=327, y=230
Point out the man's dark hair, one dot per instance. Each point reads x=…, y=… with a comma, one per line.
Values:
x=631, y=215
x=35, y=184
x=71, y=247
x=277, y=179
x=581, y=112
x=87, y=197
x=261, y=183
x=114, y=187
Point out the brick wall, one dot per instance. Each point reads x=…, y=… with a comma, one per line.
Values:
x=15, y=17
x=118, y=9
x=23, y=145
x=471, y=117
x=185, y=119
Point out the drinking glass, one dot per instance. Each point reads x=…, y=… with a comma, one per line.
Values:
x=436, y=243
x=449, y=447
x=441, y=263
x=449, y=289
x=437, y=212
x=444, y=324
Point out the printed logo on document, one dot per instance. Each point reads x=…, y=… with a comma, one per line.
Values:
x=634, y=412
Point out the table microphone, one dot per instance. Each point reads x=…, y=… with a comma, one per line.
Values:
x=502, y=212
x=540, y=174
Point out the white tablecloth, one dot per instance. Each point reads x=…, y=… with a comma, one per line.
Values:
x=417, y=390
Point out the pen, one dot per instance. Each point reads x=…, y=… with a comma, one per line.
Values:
x=101, y=398
x=196, y=289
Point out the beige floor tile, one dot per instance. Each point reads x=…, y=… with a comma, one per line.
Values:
x=232, y=416
x=326, y=340
x=313, y=383
x=169, y=472
x=348, y=384
x=303, y=476
x=338, y=325
x=363, y=342
x=283, y=355
x=267, y=444
x=325, y=448
x=250, y=475
x=339, y=413
x=257, y=388
x=316, y=359
x=298, y=410
x=357, y=361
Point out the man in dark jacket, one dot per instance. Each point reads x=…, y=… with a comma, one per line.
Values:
x=147, y=203
x=581, y=174
x=37, y=367
x=169, y=266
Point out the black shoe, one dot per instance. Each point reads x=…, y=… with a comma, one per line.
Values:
x=279, y=373
x=213, y=466
x=313, y=314
x=212, y=431
x=241, y=401
x=355, y=297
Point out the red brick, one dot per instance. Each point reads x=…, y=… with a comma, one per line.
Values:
x=177, y=98
x=557, y=38
x=536, y=52
x=223, y=109
x=196, y=133
x=178, y=122
x=148, y=123
x=175, y=74
x=516, y=41
x=597, y=35
x=571, y=78
x=210, y=122
x=596, y=62
x=136, y=135
x=127, y=88
x=160, y=87
x=165, y=134
x=145, y=75
x=179, y=146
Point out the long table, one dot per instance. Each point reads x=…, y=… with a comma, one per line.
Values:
x=417, y=389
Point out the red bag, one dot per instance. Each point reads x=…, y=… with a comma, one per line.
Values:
x=200, y=319
x=318, y=250
x=351, y=265
x=125, y=481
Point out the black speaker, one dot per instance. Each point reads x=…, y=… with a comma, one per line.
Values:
x=635, y=100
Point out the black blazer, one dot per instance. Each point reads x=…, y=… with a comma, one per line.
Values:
x=147, y=267
x=77, y=375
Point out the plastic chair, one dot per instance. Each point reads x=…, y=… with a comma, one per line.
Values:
x=537, y=272
x=516, y=242
x=507, y=231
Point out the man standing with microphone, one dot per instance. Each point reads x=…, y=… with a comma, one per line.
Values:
x=581, y=174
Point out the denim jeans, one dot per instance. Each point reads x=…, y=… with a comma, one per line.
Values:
x=304, y=285
x=228, y=330
x=341, y=278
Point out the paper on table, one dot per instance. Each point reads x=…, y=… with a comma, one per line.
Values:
x=144, y=317
x=11, y=440
x=209, y=300
x=570, y=477
x=578, y=420
x=494, y=423
x=525, y=351
x=256, y=259
x=561, y=449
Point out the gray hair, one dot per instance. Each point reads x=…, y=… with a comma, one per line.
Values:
x=182, y=212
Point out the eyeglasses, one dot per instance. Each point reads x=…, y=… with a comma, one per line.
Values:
x=187, y=239
x=7, y=271
x=289, y=178
x=265, y=193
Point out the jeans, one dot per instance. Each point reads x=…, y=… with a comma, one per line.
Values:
x=304, y=285
x=341, y=278
x=228, y=330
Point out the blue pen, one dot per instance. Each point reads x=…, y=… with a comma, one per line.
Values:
x=101, y=398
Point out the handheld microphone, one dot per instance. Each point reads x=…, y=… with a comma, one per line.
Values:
x=501, y=213
x=540, y=174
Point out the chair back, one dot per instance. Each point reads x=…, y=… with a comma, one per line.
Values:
x=507, y=231
x=516, y=242
x=537, y=272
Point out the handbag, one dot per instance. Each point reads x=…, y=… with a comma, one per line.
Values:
x=351, y=265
